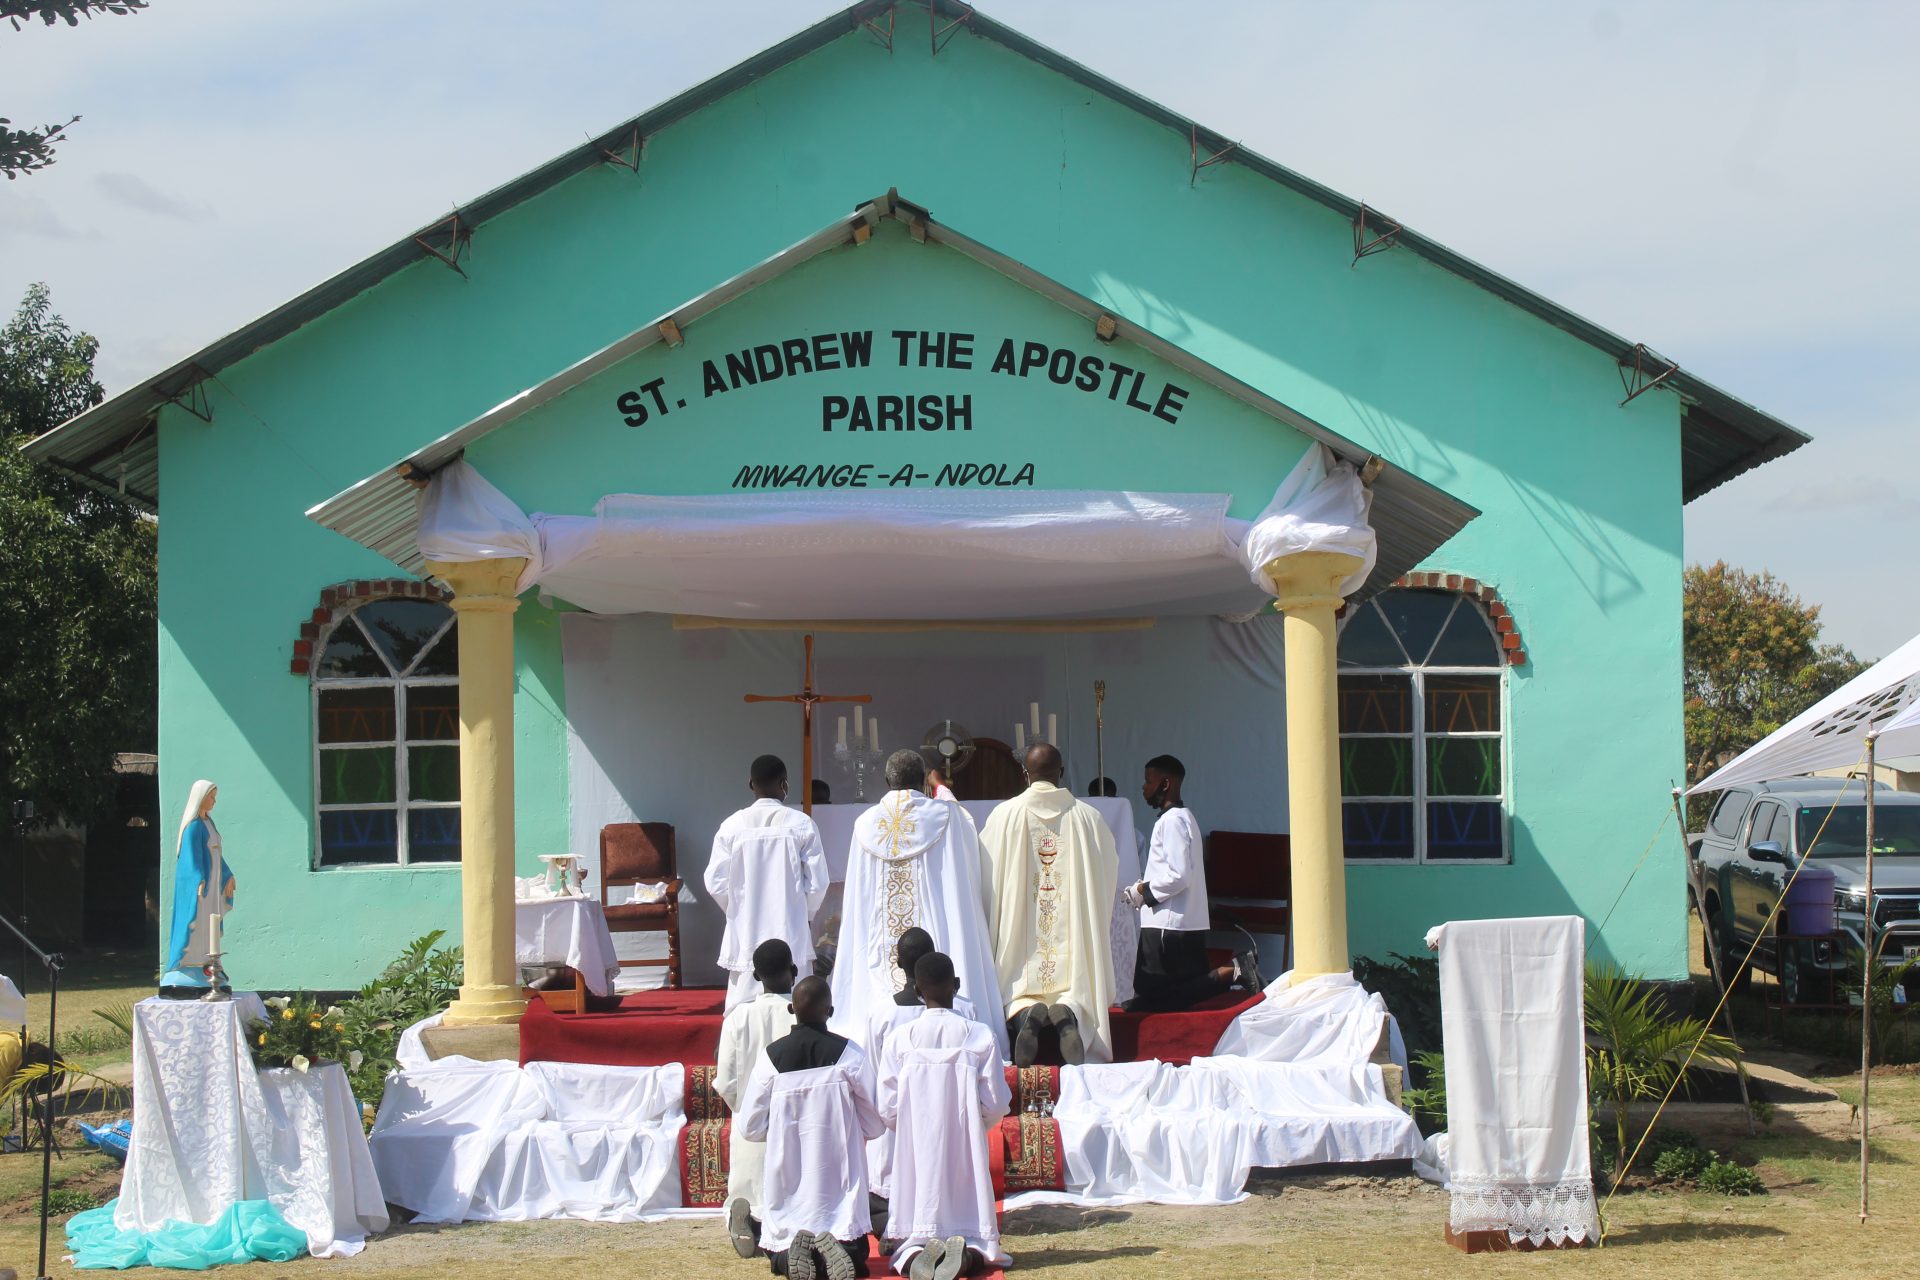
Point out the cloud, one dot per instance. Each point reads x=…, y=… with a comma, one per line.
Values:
x=131, y=191
x=1844, y=494
x=23, y=215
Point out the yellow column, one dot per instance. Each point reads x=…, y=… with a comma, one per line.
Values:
x=483, y=600
x=1306, y=588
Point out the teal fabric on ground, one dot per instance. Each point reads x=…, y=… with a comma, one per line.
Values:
x=252, y=1230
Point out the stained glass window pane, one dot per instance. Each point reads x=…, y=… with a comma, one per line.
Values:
x=433, y=773
x=1376, y=766
x=1366, y=642
x=1467, y=642
x=348, y=656
x=1463, y=830
x=433, y=713
x=1376, y=704
x=1463, y=704
x=358, y=835
x=1416, y=617
x=1378, y=831
x=360, y=776
x=433, y=835
x=1463, y=766
x=356, y=715
x=401, y=628
x=443, y=659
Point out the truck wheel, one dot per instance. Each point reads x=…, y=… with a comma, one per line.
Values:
x=1731, y=955
x=1790, y=985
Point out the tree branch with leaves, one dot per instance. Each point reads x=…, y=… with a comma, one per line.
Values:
x=28, y=150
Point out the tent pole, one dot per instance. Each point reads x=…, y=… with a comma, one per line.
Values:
x=1866, y=984
x=1713, y=961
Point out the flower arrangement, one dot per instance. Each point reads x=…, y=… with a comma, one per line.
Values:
x=297, y=1032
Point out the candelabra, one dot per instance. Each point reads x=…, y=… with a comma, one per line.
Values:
x=857, y=762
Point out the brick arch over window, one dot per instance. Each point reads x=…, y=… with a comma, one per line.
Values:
x=342, y=598
x=1487, y=595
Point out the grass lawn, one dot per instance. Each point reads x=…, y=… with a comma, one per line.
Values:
x=92, y=979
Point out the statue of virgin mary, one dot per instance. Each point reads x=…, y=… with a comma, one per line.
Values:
x=202, y=894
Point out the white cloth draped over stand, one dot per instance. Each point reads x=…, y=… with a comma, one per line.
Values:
x=1512, y=1011
x=569, y=931
x=210, y=1131
x=943, y=553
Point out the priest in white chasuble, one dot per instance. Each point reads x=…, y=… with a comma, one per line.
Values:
x=914, y=862
x=1053, y=866
x=768, y=872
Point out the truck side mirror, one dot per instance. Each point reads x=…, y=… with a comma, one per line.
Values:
x=1767, y=851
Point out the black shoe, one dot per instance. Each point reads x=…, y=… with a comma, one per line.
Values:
x=1026, y=1038
x=800, y=1259
x=746, y=1241
x=835, y=1262
x=924, y=1262
x=1073, y=1048
x=953, y=1256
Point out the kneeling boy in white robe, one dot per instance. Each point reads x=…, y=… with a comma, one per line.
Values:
x=941, y=1088
x=744, y=1036
x=810, y=1099
x=906, y=1006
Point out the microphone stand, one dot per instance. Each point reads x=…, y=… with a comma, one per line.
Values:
x=54, y=963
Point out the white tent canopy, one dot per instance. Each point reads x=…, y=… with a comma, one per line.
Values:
x=1831, y=734
x=935, y=554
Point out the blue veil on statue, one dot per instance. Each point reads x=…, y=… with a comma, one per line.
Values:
x=202, y=893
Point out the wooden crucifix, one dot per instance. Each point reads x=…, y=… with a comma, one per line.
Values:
x=806, y=698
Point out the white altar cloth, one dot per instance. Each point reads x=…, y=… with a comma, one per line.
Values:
x=497, y=1142
x=210, y=1131
x=569, y=931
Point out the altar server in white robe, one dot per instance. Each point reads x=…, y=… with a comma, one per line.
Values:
x=1053, y=867
x=913, y=861
x=768, y=873
x=906, y=1006
x=942, y=1088
x=745, y=1033
x=810, y=1099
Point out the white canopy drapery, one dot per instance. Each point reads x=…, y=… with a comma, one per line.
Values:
x=1831, y=734
x=907, y=554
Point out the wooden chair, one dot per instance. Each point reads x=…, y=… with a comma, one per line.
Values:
x=643, y=853
x=1250, y=883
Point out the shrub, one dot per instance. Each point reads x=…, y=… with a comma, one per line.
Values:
x=1411, y=987
x=1682, y=1164
x=1730, y=1179
x=65, y=1201
x=1427, y=1100
x=422, y=982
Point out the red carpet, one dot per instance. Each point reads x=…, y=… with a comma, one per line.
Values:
x=653, y=1028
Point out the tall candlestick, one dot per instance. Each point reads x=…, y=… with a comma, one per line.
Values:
x=1033, y=718
x=874, y=724
x=843, y=733
x=213, y=935
x=859, y=723
x=1020, y=738
x=1053, y=728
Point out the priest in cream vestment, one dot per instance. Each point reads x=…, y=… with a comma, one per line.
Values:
x=914, y=862
x=1052, y=864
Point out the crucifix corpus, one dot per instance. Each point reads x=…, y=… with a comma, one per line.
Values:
x=807, y=698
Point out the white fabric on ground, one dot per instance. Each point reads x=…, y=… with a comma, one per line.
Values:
x=816, y=1124
x=1329, y=1019
x=496, y=1142
x=745, y=1033
x=1512, y=1015
x=411, y=1053
x=914, y=861
x=941, y=1086
x=768, y=872
x=210, y=1131
x=1320, y=506
x=569, y=931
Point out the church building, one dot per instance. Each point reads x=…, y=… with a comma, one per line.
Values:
x=1044, y=411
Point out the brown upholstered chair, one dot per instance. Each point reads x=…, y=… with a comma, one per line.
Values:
x=643, y=853
x=1250, y=882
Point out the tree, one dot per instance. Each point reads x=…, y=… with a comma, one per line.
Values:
x=24, y=150
x=79, y=575
x=1753, y=661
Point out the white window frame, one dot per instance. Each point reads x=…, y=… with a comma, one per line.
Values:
x=398, y=685
x=1417, y=764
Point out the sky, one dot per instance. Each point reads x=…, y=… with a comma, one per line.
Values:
x=1730, y=183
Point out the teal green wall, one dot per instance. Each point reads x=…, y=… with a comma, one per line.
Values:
x=1582, y=531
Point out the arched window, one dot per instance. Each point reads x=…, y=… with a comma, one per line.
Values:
x=386, y=718
x=1422, y=728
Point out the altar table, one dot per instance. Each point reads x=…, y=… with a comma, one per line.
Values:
x=569, y=931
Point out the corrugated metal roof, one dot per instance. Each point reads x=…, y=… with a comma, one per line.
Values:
x=1722, y=436
x=1411, y=517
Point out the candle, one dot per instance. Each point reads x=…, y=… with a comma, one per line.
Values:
x=1033, y=718
x=859, y=714
x=1053, y=728
x=213, y=935
x=1020, y=737
x=874, y=724
x=843, y=733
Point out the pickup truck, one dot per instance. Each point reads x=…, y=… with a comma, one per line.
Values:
x=1758, y=833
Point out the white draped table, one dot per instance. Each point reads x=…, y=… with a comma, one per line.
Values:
x=210, y=1131
x=569, y=931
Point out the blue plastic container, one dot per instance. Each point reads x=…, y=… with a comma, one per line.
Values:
x=1809, y=907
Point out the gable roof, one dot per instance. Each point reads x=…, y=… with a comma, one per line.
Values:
x=1411, y=517
x=113, y=447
